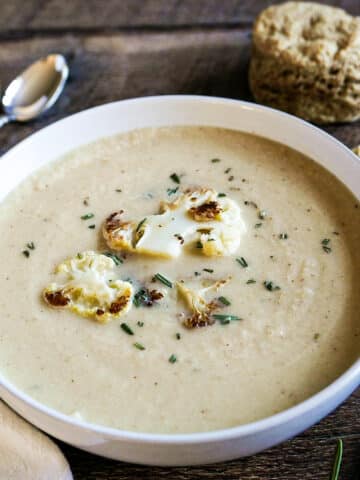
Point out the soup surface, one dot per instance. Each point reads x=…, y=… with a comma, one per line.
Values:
x=302, y=236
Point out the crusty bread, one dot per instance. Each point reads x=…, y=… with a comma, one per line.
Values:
x=306, y=61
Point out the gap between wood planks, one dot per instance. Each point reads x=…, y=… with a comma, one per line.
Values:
x=29, y=33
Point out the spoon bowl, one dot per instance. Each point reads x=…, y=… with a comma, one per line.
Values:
x=35, y=90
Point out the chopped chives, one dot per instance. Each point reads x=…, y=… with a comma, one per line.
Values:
x=228, y=170
x=163, y=280
x=140, y=324
x=139, y=346
x=198, y=244
x=26, y=253
x=221, y=194
x=224, y=301
x=175, y=177
x=172, y=191
x=118, y=190
x=92, y=226
x=209, y=270
x=140, y=224
x=242, y=262
x=325, y=245
x=31, y=245
x=87, y=216
x=178, y=336
x=257, y=225
x=283, y=236
x=172, y=358
x=126, y=329
x=251, y=280
x=225, y=319
x=215, y=160
x=115, y=258
x=269, y=285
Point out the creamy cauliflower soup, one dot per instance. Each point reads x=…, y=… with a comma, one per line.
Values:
x=178, y=279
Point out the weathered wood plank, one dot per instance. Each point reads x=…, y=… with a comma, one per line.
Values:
x=107, y=68
x=36, y=15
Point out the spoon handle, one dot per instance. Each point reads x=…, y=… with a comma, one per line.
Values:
x=4, y=119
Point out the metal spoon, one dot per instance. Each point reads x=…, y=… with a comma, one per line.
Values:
x=35, y=90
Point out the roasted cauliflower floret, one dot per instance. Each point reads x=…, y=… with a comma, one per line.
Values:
x=197, y=215
x=88, y=287
x=118, y=233
x=200, y=308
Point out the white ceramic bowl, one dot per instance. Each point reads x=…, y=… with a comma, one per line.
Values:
x=87, y=126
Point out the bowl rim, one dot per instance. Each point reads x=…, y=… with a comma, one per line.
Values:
x=349, y=377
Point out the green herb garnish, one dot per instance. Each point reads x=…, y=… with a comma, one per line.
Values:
x=139, y=346
x=198, y=244
x=175, y=177
x=140, y=324
x=172, y=358
x=163, y=280
x=26, y=253
x=228, y=170
x=269, y=285
x=197, y=274
x=283, y=236
x=31, y=245
x=325, y=245
x=140, y=224
x=215, y=160
x=225, y=319
x=251, y=203
x=126, y=329
x=118, y=190
x=178, y=336
x=92, y=226
x=224, y=301
x=231, y=178
x=87, y=216
x=115, y=258
x=220, y=195
x=209, y=270
x=242, y=262
x=172, y=191
x=79, y=256
x=338, y=460
x=257, y=225
x=142, y=297
x=262, y=214
x=251, y=280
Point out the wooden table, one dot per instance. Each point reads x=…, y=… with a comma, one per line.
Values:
x=127, y=48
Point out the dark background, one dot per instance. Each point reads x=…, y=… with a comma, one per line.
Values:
x=127, y=48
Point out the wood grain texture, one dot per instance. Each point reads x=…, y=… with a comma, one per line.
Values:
x=39, y=15
x=112, y=67
x=128, y=48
